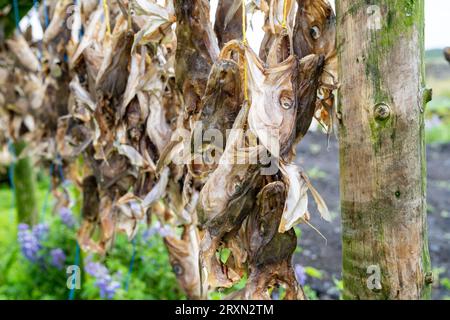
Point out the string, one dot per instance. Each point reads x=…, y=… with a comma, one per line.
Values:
x=244, y=41
x=77, y=247
x=76, y=263
x=49, y=190
x=46, y=19
x=106, y=10
x=11, y=179
x=36, y=7
x=130, y=268
x=284, y=23
x=16, y=13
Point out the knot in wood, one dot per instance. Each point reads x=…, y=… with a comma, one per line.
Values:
x=382, y=111
x=429, y=279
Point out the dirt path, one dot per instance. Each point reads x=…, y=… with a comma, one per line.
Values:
x=322, y=164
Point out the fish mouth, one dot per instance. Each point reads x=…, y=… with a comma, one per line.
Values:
x=284, y=48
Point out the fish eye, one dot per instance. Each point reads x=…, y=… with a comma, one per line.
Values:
x=286, y=100
x=315, y=32
x=177, y=269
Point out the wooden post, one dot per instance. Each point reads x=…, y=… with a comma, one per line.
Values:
x=382, y=149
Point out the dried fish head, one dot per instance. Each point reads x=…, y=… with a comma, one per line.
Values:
x=219, y=108
x=272, y=112
x=113, y=74
x=184, y=255
x=232, y=179
x=228, y=25
x=278, y=26
x=315, y=29
x=315, y=33
x=270, y=252
x=197, y=49
x=154, y=22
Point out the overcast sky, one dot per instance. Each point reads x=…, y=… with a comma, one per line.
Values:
x=437, y=24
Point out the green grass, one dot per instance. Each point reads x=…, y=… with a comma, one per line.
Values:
x=439, y=134
x=440, y=105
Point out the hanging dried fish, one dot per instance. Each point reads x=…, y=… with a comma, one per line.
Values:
x=197, y=49
x=183, y=255
x=219, y=108
x=270, y=252
x=58, y=21
x=278, y=26
x=23, y=53
x=272, y=113
x=315, y=33
x=160, y=117
x=228, y=25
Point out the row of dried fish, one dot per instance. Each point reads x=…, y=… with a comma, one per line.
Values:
x=239, y=208
x=146, y=79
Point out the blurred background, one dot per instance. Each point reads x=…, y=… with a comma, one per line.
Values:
x=33, y=260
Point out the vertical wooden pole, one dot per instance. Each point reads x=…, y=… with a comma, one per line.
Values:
x=382, y=149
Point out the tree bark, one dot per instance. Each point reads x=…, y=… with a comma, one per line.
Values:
x=25, y=188
x=382, y=149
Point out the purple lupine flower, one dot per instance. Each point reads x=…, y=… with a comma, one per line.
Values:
x=67, y=217
x=40, y=231
x=165, y=231
x=103, y=280
x=58, y=258
x=108, y=287
x=29, y=244
x=148, y=233
x=157, y=228
x=300, y=274
x=23, y=227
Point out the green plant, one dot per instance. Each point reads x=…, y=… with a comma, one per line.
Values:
x=151, y=276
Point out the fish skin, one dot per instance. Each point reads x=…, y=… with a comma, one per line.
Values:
x=197, y=49
x=58, y=21
x=228, y=24
x=269, y=252
x=183, y=257
x=229, y=182
x=219, y=107
x=91, y=199
x=315, y=33
x=22, y=51
x=272, y=113
x=306, y=84
x=225, y=200
x=274, y=30
x=112, y=81
x=311, y=14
